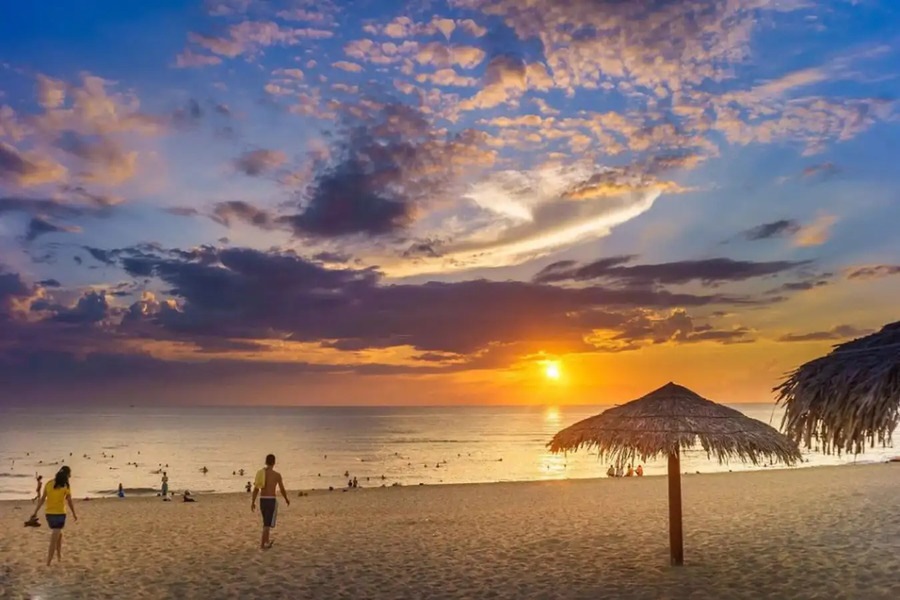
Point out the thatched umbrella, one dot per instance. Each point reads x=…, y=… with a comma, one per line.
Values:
x=666, y=421
x=848, y=398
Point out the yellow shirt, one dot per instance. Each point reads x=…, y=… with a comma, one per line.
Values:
x=56, y=499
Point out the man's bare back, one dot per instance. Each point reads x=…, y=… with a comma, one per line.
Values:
x=272, y=481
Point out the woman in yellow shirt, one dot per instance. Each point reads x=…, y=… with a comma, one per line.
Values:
x=56, y=494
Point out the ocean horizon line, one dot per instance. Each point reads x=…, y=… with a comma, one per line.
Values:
x=341, y=406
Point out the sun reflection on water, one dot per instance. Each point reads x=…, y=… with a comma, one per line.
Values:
x=551, y=415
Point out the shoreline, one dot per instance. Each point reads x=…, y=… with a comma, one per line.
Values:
x=310, y=492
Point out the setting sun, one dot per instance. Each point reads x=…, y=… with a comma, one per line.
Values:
x=552, y=371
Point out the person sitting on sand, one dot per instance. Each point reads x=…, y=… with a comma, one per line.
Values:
x=611, y=471
x=56, y=494
x=640, y=471
x=264, y=486
x=187, y=496
x=121, y=492
x=619, y=472
x=630, y=472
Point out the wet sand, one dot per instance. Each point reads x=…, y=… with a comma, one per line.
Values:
x=829, y=532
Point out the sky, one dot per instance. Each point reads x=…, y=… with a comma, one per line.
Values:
x=441, y=202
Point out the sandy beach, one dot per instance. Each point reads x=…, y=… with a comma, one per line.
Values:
x=829, y=532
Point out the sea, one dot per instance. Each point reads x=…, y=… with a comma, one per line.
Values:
x=205, y=449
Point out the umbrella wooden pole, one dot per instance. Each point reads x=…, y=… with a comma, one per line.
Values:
x=676, y=537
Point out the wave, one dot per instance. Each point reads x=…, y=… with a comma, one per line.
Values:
x=136, y=490
x=146, y=491
x=15, y=475
x=429, y=441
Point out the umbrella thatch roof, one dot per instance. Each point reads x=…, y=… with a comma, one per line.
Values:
x=847, y=399
x=674, y=418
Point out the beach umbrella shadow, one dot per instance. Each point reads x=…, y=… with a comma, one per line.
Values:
x=667, y=421
x=847, y=399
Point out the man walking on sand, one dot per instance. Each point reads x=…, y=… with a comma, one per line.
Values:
x=264, y=487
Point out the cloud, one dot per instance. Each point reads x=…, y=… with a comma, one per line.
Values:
x=227, y=212
x=259, y=162
x=505, y=77
x=11, y=126
x=471, y=27
x=675, y=327
x=28, y=169
x=11, y=288
x=350, y=67
x=332, y=257
x=43, y=212
x=816, y=233
x=188, y=115
x=710, y=271
x=383, y=53
x=661, y=58
x=446, y=77
x=614, y=183
x=104, y=160
x=56, y=208
x=39, y=226
x=824, y=170
x=404, y=27
x=90, y=308
x=251, y=38
x=872, y=272
x=81, y=134
x=440, y=55
x=227, y=8
x=839, y=332
x=51, y=92
x=94, y=109
x=239, y=293
x=388, y=164
x=803, y=285
x=775, y=229
x=295, y=74
x=513, y=216
x=189, y=59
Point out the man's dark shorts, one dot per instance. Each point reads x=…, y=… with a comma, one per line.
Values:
x=269, y=509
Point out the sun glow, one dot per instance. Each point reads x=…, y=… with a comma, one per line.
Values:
x=552, y=371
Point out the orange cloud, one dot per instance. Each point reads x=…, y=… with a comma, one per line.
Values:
x=27, y=169
x=816, y=233
x=347, y=66
x=441, y=55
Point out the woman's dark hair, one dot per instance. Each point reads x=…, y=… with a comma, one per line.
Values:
x=62, y=478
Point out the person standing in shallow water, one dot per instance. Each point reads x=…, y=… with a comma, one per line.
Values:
x=56, y=494
x=264, y=486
